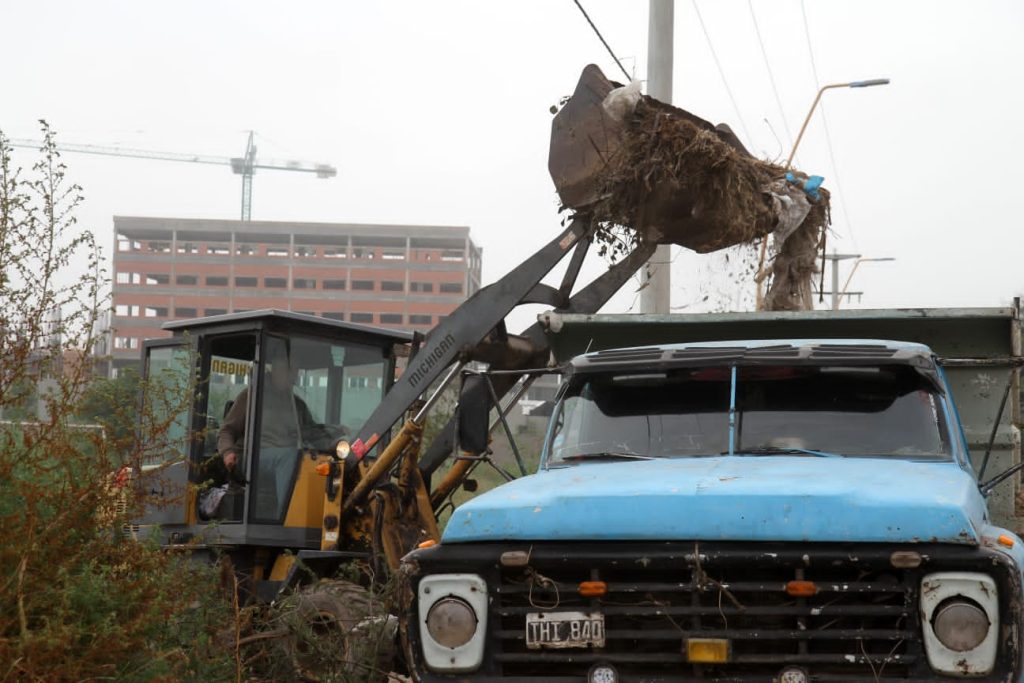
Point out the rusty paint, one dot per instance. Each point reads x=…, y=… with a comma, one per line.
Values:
x=567, y=241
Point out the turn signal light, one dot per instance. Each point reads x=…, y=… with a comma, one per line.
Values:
x=323, y=469
x=593, y=589
x=707, y=650
x=1005, y=540
x=905, y=559
x=429, y=543
x=515, y=558
x=801, y=589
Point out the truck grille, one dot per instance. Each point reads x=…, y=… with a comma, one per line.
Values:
x=861, y=624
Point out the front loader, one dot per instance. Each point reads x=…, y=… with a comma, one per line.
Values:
x=356, y=487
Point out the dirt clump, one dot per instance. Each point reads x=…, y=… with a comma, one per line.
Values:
x=670, y=177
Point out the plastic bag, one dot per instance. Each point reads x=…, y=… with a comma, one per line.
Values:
x=621, y=102
x=209, y=500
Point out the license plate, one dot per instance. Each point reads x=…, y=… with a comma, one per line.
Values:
x=564, y=629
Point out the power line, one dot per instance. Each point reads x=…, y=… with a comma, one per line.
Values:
x=771, y=76
x=721, y=72
x=771, y=129
x=824, y=120
x=603, y=41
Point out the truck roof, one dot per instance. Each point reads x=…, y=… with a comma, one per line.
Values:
x=288, y=318
x=844, y=352
x=801, y=343
x=950, y=332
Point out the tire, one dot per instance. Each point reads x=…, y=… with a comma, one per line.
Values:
x=335, y=635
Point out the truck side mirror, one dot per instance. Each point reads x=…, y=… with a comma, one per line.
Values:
x=991, y=484
x=473, y=415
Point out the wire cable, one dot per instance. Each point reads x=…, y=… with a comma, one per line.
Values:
x=771, y=75
x=603, y=41
x=824, y=120
x=721, y=72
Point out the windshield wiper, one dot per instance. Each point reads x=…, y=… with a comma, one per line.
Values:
x=782, y=450
x=608, y=455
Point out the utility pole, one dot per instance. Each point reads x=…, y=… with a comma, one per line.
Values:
x=654, y=297
x=835, y=259
x=837, y=292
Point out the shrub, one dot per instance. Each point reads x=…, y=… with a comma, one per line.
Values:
x=77, y=599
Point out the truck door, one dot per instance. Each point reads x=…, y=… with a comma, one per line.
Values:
x=181, y=417
x=168, y=381
x=228, y=367
x=312, y=391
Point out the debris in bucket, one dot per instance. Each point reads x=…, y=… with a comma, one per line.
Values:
x=670, y=177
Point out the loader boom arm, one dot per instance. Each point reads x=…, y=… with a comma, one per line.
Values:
x=458, y=334
x=590, y=299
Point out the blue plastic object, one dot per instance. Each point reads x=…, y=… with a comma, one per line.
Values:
x=809, y=186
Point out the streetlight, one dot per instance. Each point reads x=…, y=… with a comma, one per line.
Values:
x=846, y=285
x=851, y=84
x=761, y=272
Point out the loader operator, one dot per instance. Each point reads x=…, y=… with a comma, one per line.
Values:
x=285, y=417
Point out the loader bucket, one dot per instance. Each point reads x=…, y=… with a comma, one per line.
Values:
x=671, y=176
x=583, y=138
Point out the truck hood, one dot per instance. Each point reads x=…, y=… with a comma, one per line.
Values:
x=735, y=498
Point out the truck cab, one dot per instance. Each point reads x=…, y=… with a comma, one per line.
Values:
x=766, y=510
x=258, y=370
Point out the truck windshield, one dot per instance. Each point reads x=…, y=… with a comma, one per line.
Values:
x=866, y=412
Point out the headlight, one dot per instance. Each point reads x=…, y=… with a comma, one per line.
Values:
x=960, y=621
x=453, y=620
x=603, y=673
x=960, y=624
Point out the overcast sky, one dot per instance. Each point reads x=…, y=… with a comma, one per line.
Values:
x=437, y=112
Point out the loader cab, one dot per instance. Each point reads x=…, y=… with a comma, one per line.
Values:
x=280, y=387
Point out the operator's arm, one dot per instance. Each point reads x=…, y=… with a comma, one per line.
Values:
x=313, y=434
x=232, y=430
x=304, y=414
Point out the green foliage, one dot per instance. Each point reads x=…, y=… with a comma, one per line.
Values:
x=78, y=601
x=113, y=404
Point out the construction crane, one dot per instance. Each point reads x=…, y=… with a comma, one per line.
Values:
x=244, y=166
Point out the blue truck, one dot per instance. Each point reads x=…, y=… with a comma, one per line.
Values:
x=773, y=509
